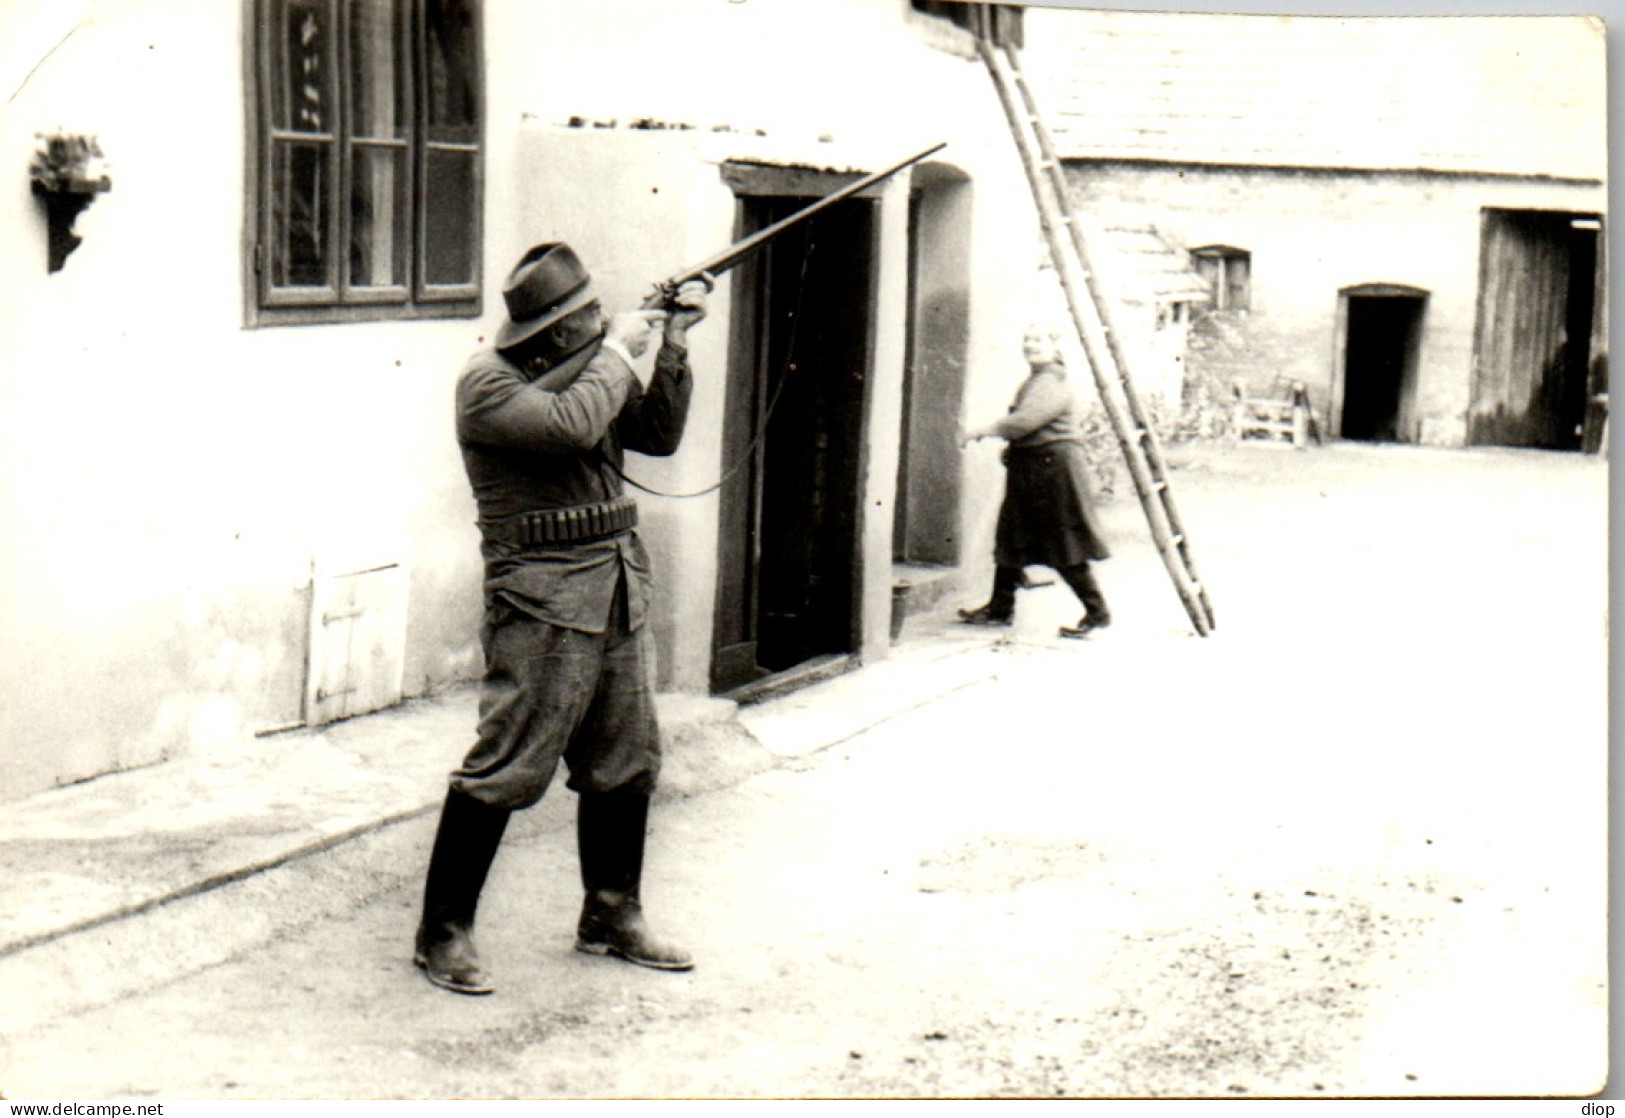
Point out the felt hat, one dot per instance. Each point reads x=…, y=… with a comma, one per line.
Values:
x=547, y=285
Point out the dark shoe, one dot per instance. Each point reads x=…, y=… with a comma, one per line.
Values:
x=450, y=961
x=616, y=927
x=464, y=845
x=1083, y=628
x=1000, y=607
x=611, y=830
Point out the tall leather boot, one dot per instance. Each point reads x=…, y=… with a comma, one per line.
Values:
x=610, y=828
x=466, y=842
x=1095, y=613
x=1001, y=607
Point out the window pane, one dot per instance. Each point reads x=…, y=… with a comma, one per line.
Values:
x=377, y=212
x=301, y=90
x=449, y=228
x=300, y=217
x=376, y=110
x=450, y=71
x=370, y=157
x=957, y=13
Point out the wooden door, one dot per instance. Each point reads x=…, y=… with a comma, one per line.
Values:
x=357, y=643
x=1538, y=292
x=788, y=547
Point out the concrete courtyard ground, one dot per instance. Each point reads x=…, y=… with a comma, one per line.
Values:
x=1354, y=843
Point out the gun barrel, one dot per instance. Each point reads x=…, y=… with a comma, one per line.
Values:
x=739, y=250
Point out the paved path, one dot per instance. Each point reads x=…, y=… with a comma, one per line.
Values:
x=1352, y=844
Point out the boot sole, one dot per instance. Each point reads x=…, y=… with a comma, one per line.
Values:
x=615, y=952
x=447, y=984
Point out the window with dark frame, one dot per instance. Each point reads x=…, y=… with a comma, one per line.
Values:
x=367, y=192
x=1000, y=22
x=956, y=13
x=1228, y=272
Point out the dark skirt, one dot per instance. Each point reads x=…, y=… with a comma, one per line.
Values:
x=1047, y=519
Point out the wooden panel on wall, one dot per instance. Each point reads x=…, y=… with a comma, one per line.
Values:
x=357, y=643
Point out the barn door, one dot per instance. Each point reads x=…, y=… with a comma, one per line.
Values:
x=1538, y=295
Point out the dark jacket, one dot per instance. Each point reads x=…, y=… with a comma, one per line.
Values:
x=527, y=449
x=1047, y=518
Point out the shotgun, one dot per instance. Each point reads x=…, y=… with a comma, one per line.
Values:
x=666, y=290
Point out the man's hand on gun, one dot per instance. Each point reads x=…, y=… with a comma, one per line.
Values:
x=687, y=308
x=632, y=331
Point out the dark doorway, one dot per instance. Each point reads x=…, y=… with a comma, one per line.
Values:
x=788, y=562
x=1539, y=325
x=1384, y=333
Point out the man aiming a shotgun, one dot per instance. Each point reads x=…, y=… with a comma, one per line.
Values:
x=543, y=419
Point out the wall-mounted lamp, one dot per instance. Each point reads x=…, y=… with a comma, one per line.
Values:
x=67, y=174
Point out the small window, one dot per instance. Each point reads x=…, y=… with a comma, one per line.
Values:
x=1228, y=272
x=1002, y=24
x=367, y=193
x=955, y=13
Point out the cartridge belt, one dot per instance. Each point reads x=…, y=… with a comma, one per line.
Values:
x=573, y=524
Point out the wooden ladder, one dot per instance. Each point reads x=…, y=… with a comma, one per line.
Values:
x=1092, y=315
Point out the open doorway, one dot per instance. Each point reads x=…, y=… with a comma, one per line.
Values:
x=1380, y=345
x=788, y=538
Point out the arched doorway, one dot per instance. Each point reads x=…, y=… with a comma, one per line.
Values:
x=1379, y=343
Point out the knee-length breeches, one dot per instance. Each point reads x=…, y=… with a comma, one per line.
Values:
x=552, y=694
